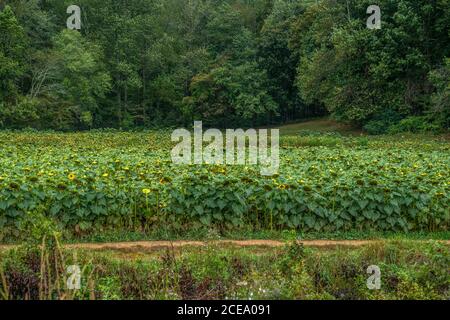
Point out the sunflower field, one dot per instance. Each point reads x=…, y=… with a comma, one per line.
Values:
x=115, y=180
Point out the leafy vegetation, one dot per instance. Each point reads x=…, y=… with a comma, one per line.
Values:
x=147, y=63
x=409, y=271
x=126, y=181
x=139, y=68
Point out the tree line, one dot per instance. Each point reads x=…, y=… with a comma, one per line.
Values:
x=228, y=63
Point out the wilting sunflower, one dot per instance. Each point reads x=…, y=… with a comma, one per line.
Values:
x=165, y=180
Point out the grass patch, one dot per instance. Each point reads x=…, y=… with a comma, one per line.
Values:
x=320, y=125
x=205, y=234
x=409, y=270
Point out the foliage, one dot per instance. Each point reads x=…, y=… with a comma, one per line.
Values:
x=13, y=44
x=381, y=123
x=78, y=78
x=414, y=124
x=229, y=63
x=410, y=271
x=359, y=74
x=105, y=180
x=440, y=108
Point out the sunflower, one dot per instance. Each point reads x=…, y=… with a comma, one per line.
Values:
x=14, y=185
x=146, y=191
x=165, y=180
x=71, y=176
x=61, y=186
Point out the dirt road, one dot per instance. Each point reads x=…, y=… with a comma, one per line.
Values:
x=156, y=245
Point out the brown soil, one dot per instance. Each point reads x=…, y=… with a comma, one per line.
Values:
x=157, y=245
x=177, y=244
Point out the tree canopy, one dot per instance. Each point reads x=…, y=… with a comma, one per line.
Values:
x=147, y=63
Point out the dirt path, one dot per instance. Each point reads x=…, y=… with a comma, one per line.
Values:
x=156, y=245
x=145, y=245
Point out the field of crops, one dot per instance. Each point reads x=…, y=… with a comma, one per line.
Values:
x=103, y=180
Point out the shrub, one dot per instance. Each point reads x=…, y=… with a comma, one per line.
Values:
x=380, y=123
x=415, y=124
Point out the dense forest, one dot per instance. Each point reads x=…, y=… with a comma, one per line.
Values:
x=155, y=63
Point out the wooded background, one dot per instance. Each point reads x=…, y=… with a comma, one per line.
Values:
x=229, y=63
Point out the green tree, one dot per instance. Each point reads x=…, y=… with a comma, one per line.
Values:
x=280, y=60
x=235, y=91
x=360, y=74
x=440, y=99
x=78, y=80
x=13, y=44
